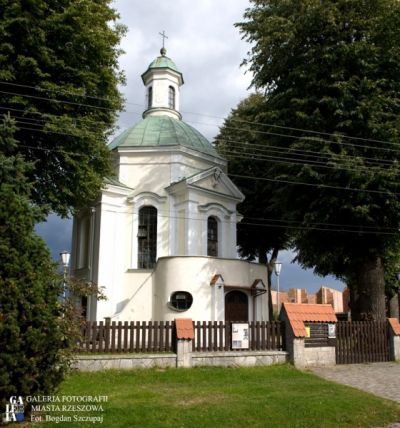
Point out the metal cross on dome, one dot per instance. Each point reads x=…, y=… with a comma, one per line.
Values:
x=163, y=37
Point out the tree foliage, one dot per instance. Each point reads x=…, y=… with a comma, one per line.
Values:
x=31, y=340
x=241, y=140
x=38, y=328
x=58, y=79
x=58, y=83
x=331, y=75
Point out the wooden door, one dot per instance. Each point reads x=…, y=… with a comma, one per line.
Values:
x=236, y=306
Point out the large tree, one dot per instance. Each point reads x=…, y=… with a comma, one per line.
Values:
x=331, y=74
x=261, y=233
x=31, y=338
x=58, y=80
x=39, y=326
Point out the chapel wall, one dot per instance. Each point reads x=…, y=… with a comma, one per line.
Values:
x=194, y=274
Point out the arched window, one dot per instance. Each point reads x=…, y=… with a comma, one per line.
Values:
x=212, y=237
x=147, y=238
x=171, y=97
x=150, y=97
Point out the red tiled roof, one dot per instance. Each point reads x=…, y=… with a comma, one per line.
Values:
x=298, y=313
x=184, y=328
x=394, y=323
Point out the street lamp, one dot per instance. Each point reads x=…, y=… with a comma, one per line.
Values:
x=277, y=270
x=65, y=256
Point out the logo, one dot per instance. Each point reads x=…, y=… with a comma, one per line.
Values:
x=14, y=410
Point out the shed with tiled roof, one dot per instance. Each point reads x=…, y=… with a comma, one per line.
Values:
x=299, y=313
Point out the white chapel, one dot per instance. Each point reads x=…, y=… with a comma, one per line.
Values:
x=161, y=237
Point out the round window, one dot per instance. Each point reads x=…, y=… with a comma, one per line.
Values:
x=180, y=300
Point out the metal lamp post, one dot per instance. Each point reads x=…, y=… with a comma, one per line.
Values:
x=65, y=256
x=277, y=270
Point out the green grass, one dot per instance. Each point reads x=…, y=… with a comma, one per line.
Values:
x=275, y=396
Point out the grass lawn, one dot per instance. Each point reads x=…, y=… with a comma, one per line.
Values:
x=274, y=396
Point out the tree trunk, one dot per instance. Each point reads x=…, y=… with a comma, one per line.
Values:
x=270, y=267
x=394, y=306
x=262, y=256
x=367, y=292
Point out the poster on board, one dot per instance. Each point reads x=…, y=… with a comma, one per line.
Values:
x=240, y=335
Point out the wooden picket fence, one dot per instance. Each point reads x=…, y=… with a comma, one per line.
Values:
x=217, y=336
x=159, y=336
x=362, y=342
x=111, y=337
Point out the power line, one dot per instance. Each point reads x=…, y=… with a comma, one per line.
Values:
x=316, y=185
x=208, y=124
x=286, y=221
x=312, y=159
x=234, y=154
x=311, y=139
x=290, y=161
x=270, y=225
x=254, y=147
x=53, y=132
x=265, y=158
x=56, y=101
x=232, y=175
x=375, y=162
x=60, y=91
x=38, y=88
x=260, y=148
x=51, y=115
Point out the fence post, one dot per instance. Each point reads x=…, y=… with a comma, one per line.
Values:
x=184, y=337
x=394, y=338
x=107, y=334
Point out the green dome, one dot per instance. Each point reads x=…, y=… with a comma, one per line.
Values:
x=161, y=131
x=164, y=62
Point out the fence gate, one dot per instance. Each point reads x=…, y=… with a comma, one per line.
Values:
x=362, y=342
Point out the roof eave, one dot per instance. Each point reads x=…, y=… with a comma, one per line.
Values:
x=151, y=70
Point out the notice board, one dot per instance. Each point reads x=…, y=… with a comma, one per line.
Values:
x=240, y=335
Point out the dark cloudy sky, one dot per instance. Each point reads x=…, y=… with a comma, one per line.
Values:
x=208, y=50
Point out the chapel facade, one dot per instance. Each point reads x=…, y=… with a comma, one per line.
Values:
x=161, y=237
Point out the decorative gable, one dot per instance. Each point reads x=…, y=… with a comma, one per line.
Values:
x=213, y=181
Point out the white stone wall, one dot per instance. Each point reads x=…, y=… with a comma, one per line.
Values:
x=239, y=359
x=318, y=357
x=394, y=346
x=94, y=363
x=221, y=359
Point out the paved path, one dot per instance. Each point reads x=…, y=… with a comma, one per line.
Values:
x=381, y=379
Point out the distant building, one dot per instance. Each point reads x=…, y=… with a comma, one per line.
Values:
x=331, y=296
x=325, y=295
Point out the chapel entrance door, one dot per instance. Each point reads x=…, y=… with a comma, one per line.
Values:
x=236, y=306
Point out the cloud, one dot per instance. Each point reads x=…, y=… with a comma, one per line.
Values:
x=204, y=44
x=293, y=276
x=57, y=233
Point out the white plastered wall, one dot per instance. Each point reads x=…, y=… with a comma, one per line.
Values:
x=160, y=80
x=194, y=275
